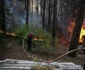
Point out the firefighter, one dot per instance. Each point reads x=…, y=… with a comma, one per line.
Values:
x=84, y=47
x=83, y=40
x=29, y=40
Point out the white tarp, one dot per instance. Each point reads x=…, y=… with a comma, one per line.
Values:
x=12, y=64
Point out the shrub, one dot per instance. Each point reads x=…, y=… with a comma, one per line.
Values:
x=43, y=45
x=21, y=30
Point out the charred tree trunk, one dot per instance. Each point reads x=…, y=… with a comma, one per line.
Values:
x=54, y=20
x=3, y=27
x=49, y=16
x=77, y=28
x=3, y=50
x=43, y=18
x=54, y=23
x=37, y=6
x=27, y=12
x=2, y=15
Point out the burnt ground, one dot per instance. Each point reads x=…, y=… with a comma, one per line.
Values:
x=15, y=51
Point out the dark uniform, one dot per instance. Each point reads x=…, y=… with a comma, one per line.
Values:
x=29, y=42
x=83, y=40
x=84, y=47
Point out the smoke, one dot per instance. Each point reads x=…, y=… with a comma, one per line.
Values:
x=17, y=9
x=66, y=10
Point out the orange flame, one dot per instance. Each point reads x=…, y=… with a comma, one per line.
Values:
x=38, y=39
x=81, y=34
x=35, y=39
x=0, y=31
x=8, y=33
x=71, y=27
x=12, y=34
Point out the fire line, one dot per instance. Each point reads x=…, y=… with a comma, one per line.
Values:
x=8, y=33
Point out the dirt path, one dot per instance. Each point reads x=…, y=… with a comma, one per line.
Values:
x=17, y=52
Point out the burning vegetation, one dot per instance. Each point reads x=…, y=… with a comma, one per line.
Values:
x=82, y=33
x=8, y=33
x=71, y=27
x=37, y=39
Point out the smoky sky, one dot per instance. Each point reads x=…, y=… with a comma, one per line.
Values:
x=17, y=9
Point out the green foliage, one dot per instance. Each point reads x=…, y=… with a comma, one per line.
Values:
x=43, y=44
x=21, y=30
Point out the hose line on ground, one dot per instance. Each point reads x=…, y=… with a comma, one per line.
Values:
x=52, y=60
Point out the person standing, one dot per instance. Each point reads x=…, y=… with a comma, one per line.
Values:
x=30, y=36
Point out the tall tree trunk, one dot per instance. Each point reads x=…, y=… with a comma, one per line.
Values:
x=3, y=27
x=54, y=20
x=27, y=12
x=32, y=6
x=43, y=25
x=37, y=6
x=77, y=28
x=49, y=16
x=2, y=15
x=54, y=23
x=3, y=48
x=41, y=6
x=25, y=4
x=32, y=11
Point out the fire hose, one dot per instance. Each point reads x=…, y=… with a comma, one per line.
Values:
x=23, y=46
x=78, y=49
x=66, y=54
